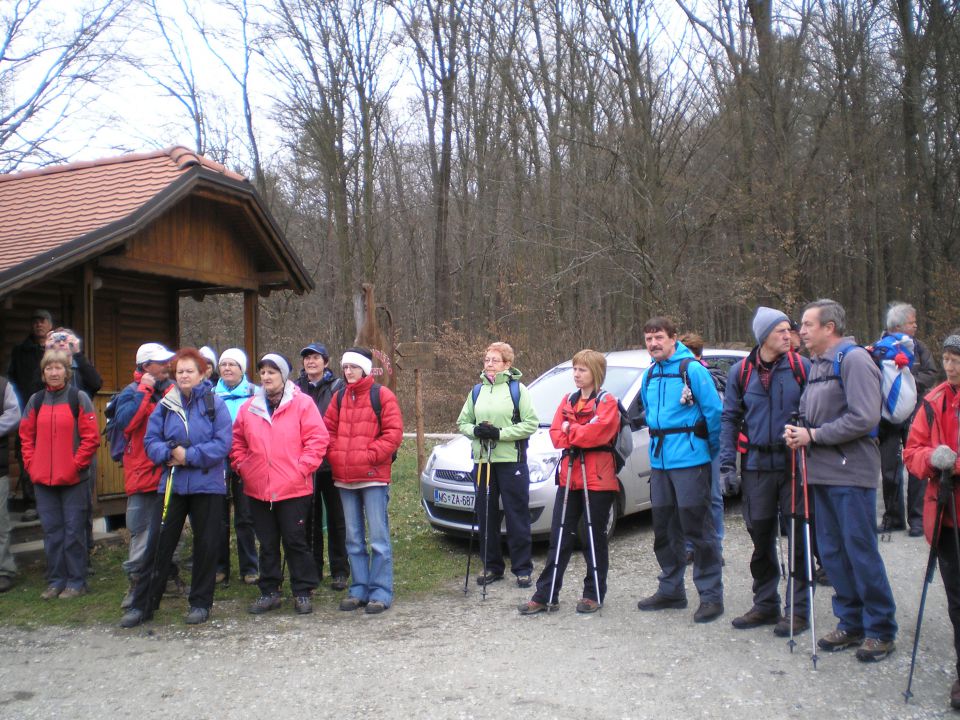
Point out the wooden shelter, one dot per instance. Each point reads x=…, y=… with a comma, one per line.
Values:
x=110, y=247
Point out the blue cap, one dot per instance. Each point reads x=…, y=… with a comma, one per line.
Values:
x=318, y=348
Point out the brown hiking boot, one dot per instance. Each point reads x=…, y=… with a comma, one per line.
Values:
x=838, y=639
x=800, y=624
x=874, y=650
x=755, y=617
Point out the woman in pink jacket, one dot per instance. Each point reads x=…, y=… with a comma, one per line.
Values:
x=279, y=440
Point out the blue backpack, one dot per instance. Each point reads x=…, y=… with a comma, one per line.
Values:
x=113, y=431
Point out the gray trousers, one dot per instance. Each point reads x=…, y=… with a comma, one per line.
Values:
x=8, y=566
x=681, y=509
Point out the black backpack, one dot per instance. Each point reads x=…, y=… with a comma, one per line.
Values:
x=73, y=399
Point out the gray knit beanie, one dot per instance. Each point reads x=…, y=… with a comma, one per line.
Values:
x=765, y=321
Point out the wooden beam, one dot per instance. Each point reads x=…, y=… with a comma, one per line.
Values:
x=251, y=323
x=118, y=262
x=86, y=311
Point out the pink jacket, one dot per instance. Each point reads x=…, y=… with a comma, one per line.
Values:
x=277, y=455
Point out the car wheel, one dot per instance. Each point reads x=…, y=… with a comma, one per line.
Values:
x=615, y=512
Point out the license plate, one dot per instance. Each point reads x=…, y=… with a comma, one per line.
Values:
x=450, y=499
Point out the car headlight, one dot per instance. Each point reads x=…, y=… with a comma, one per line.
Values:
x=542, y=469
x=428, y=470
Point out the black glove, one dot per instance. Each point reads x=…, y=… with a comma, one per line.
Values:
x=729, y=480
x=486, y=431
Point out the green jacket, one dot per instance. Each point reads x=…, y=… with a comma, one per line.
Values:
x=495, y=405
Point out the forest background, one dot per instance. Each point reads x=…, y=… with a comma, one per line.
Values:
x=546, y=172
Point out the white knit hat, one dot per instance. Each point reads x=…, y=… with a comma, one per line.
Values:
x=236, y=355
x=209, y=354
x=354, y=356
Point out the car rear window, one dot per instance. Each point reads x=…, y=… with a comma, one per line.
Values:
x=549, y=389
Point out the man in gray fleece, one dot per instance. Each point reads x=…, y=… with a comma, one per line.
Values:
x=839, y=411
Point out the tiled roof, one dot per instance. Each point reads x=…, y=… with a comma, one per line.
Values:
x=40, y=210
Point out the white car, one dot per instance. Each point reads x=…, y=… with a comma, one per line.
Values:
x=446, y=487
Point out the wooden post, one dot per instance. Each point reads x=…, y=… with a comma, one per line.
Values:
x=251, y=322
x=418, y=399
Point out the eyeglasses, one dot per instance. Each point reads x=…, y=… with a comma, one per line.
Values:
x=493, y=361
x=229, y=364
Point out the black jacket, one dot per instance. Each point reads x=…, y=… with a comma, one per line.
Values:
x=24, y=370
x=85, y=375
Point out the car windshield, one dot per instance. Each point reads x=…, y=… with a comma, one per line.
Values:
x=548, y=391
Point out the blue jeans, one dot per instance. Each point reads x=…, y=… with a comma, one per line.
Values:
x=371, y=573
x=141, y=516
x=847, y=536
x=63, y=515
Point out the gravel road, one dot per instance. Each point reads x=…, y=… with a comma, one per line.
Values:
x=450, y=656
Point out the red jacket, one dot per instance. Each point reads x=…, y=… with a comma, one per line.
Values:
x=140, y=473
x=361, y=449
x=595, y=426
x=925, y=436
x=58, y=449
x=277, y=454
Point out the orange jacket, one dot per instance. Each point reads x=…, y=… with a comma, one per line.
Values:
x=592, y=429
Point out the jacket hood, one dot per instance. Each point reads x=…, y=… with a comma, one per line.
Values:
x=679, y=354
x=325, y=379
x=173, y=399
x=258, y=406
x=244, y=389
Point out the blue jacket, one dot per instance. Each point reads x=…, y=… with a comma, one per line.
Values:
x=760, y=414
x=661, y=390
x=236, y=397
x=207, y=444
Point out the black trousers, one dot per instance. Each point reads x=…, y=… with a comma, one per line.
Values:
x=326, y=500
x=895, y=517
x=205, y=512
x=509, y=483
x=600, y=504
x=950, y=572
x=243, y=524
x=284, y=522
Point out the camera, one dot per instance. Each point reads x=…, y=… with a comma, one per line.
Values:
x=60, y=337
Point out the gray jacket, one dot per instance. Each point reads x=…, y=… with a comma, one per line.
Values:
x=845, y=412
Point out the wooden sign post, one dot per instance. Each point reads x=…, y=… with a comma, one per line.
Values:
x=419, y=356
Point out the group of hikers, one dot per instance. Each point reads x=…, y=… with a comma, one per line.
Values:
x=293, y=454
x=807, y=437
x=801, y=435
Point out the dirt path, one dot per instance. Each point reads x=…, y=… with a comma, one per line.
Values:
x=453, y=657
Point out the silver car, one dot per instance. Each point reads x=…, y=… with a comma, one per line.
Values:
x=446, y=485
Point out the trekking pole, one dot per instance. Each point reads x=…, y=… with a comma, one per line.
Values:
x=486, y=534
x=563, y=517
x=783, y=569
x=154, y=603
x=792, y=547
x=593, y=551
x=475, y=522
x=809, y=554
x=943, y=462
x=886, y=531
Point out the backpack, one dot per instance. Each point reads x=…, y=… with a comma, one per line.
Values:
x=743, y=377
x=73, y=399
x=514, y=386
x=894, y=354
x=842, y=351
x=716, y=374
x=375, y=403
x=699, y=428
x=622, y=446
x=113, y=432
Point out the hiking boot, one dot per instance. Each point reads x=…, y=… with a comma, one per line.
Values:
x=351, y=603
x=265, y=603
x=531, y=607
x=755, y=617
x=197, y=616
x=838, y=639
x=708, y=612
x=70, y=593
x=175, y=587
x=586, y=606
x=251, y=579
x=915, y=532
x=874, y=650
x=800, y=624
x=220, y=577
x=132, y=618
x=661, y=602
x=955, y=695
x=339, y=582
x=6, y=582
x=29, y=515
x=51, y=592
x=374, y=607
x=302, y=605
x=524, y=581
x=820, y=577
x=489, y=577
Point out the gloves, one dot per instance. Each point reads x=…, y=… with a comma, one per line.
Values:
x=729, y=481
x=486, y=431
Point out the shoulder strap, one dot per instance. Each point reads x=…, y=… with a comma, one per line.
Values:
x=515, y=396
x=375, y=401
x=340, y=393
x=36, y=401
x=73, y=400
x=684, y=372
x=796, y=366
x=209, y=400
x=475, y=393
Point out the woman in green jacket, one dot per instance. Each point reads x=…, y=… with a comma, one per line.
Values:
x=499, y=416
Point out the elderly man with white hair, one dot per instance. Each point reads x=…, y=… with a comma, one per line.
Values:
x=902, y=318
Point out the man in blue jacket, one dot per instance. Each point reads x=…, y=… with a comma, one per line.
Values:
x=763, y=394
x=683, y=414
